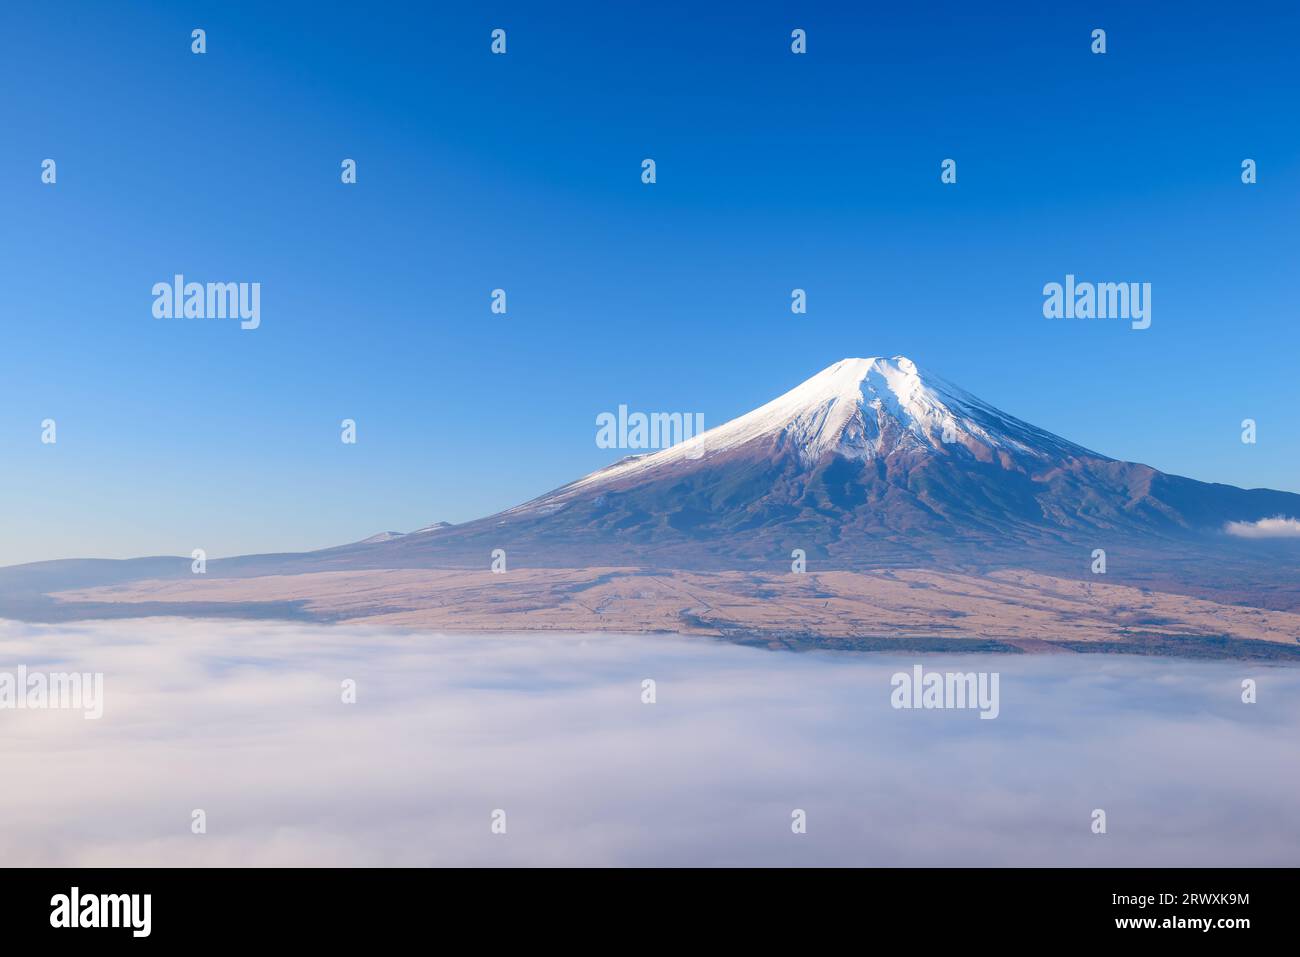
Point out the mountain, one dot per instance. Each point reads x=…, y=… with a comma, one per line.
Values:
x=378, y=537
x=871, y=462
x=870, y=467
x=389, y=536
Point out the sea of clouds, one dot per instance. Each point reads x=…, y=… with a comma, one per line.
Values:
x=245, y=720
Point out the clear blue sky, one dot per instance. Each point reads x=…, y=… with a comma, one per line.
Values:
x=523, y=171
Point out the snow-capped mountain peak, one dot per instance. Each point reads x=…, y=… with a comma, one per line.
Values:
x=861, y=409
x=434, y=527
x=872, y=462
x=380, y=537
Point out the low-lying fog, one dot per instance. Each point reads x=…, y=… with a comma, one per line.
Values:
x=246, y=722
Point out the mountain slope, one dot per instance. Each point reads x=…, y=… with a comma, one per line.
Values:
x=871, y=463
x=861, y=410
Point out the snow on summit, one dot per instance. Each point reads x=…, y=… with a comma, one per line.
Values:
x=861, y=409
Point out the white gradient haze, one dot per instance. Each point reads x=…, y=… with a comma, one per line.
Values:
x=245, y=721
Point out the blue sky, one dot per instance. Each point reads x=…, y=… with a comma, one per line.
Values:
x=522, y=171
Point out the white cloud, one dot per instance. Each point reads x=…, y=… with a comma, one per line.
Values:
x=1276, y=527
x=244, y=720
